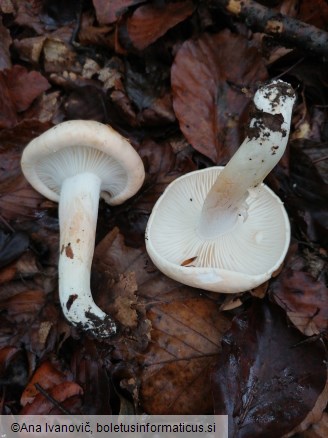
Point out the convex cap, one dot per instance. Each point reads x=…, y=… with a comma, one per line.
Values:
x=78, y=146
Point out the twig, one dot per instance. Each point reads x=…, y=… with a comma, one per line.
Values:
x=290, y=31
x=318, y=160
x=51, y=399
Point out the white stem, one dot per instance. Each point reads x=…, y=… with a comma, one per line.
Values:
x=263, y=147
x=78, y=211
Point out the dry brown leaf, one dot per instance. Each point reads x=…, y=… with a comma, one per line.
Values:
x=30, y=49
x=23, y=306
x=151, y=21
x=67, y=394
x=17, y=198
x=24, y=86
x=24, y=267
x=108, y=11
x=58, y=56
x=211, y=82
x=5, y=43
x=304, y=299
x=186, y=329
x=125, y=300
x=28, y=14
x=185, y=343
x=47, y=375
x=318, y=430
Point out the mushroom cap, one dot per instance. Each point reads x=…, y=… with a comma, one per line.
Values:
x=235, y=261
x=78, y=146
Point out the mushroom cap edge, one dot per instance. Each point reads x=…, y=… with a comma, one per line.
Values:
x=88, y=133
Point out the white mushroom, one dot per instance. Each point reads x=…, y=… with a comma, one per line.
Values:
x=75, y=163
x=221, y=229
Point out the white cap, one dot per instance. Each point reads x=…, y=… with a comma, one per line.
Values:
x=78, y=146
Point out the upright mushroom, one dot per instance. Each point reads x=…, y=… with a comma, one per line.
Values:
x=75, y=163
x=222, y=229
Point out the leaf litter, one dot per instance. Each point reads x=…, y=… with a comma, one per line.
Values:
x=177, y=80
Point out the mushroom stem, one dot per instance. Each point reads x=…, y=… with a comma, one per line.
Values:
x=78, y=211
x=267, y=137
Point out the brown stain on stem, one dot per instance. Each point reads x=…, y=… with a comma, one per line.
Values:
x=69, y=251
x=70, y=301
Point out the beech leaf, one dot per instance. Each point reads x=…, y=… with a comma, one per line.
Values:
x=267, y=379
x=174, y=357
x=304, y=299
x=210, y=95
x=149, y=22
x=108, y=11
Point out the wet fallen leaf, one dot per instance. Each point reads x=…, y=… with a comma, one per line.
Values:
x=89, y=366
x=266, y=379
x=210, y=95
x=185, y=344
x=17, y=198
x=13, y=366
x=5, y=42
x=12, y=246
x=304, y=299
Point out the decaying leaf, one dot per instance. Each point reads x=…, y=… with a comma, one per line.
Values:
x=266, y=379
x=13, y=366
x=185, y=344
x=66, y=397
x=210, y=95
x=90, y=365
x=12, y=246
x=17, y=198
x=5, y=42
x=48, y=376
x=318, y=430
x=181, y=329
x=24, y=86
x=304, y=299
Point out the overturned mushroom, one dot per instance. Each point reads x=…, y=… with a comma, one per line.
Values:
x=75, y=163
x=221, y=229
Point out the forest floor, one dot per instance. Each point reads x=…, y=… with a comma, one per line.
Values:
x=176, y=79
